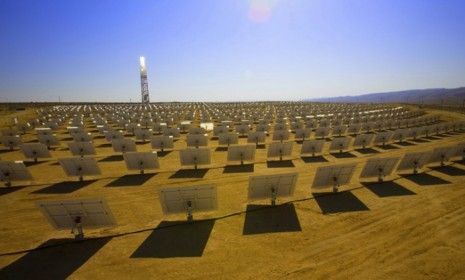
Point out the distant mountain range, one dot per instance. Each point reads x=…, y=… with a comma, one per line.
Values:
x=454, y=96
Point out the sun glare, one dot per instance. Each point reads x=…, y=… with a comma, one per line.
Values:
x=261, y=10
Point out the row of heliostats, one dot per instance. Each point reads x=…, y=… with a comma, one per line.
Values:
x=87, y=166
x=196, y=137
x=79, y=214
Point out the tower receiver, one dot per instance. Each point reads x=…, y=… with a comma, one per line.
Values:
x=144, y=84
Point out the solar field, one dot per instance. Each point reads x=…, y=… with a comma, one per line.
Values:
x=294, y=190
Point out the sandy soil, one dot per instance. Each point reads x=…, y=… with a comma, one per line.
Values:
x=407, y=228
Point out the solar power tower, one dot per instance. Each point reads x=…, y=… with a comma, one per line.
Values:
x=144, y=84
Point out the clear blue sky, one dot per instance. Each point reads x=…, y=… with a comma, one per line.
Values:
x=223, y=50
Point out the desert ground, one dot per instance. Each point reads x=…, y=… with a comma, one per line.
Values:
x=409, y=227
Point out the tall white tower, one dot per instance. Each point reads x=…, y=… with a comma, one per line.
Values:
x=144, y=84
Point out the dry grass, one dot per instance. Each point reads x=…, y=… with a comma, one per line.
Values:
x=8, y=113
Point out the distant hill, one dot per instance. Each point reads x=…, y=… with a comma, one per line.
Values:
x=455, y=96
